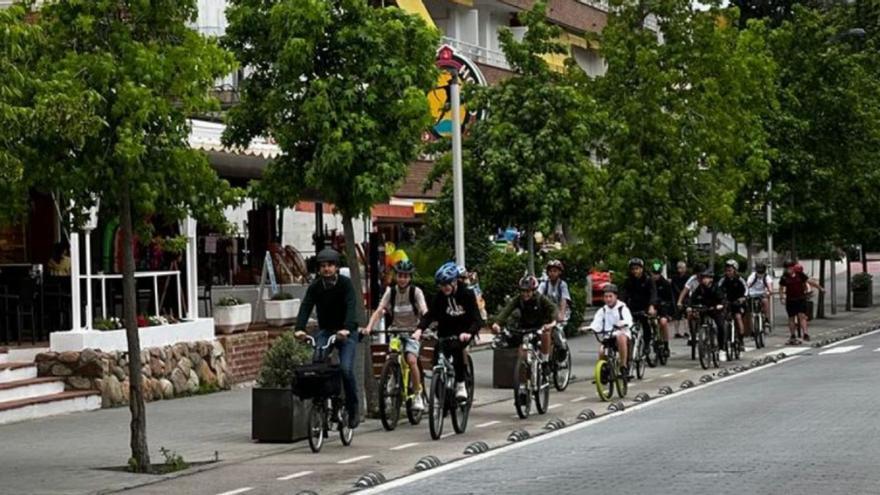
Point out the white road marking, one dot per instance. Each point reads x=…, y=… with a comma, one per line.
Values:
x=490, y=423
x=554, y=406
x=667, y=375
x=354, y=459
x=547, y=436
x=295, y=476
x=648, y=380
x=237, y=491
x=447, y=435
x=791, y=351
x=840, y=350
x=684, y=371
x=404, y=446
x=877, y=350
x=579, y=399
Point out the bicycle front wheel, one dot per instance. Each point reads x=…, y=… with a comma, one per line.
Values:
x=562, y=368
x=389, y=394
x=604, y=378
x=346, y=434
x=622, y=384
x=522, y=398
x=703, y=347
x=437, y=405
x=758, y=330
x=542, y=390
x=316, y=427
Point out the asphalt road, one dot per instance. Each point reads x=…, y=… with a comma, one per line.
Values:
x=809, y=427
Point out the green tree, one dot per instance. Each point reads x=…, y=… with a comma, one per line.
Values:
x=528, y=162
x=684, y=134
x=117, y=80
x=341, y=87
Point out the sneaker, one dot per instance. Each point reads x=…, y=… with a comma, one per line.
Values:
x=678, y=336
x=418, y=404
x=460, y=391
x=806, y=337
x=792, y=341
x=353, y=420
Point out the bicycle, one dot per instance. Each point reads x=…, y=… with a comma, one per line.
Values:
x=731, y=339
x=442, y=400
x=560, y=363
x=638, y=350
x=530, y=376
x=656, y=352
x=607, y=371
x=707, y=348
x=321, y=381
x=394, y=385
x=759, y=321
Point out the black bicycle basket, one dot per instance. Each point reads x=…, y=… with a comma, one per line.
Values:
x=317, y=380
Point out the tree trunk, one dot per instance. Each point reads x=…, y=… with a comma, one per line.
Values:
x=848, y=283
x=140, y=453
x=820, y=310
x=864, y=259
x=367, y=387
x=531, y=234
x=712, y=243
x=749, y=265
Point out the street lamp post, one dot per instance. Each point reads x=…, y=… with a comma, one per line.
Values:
x=457, y=181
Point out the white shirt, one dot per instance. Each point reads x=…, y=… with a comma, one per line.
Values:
x=692, y=283
x=758, y=286
x=608, y=318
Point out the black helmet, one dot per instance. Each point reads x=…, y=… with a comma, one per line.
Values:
x=327, y=255
x=707, y=273
x=404, y=266
x=636, y=262
x=611, y=288
x=760, y=267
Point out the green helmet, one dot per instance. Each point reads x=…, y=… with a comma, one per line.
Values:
x=404, y=266
x=656, y=266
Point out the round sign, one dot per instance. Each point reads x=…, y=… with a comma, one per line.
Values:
x=449, y=61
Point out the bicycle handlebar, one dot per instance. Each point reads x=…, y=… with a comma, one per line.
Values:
x=314, y=343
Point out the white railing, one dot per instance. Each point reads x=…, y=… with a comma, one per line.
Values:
x=597, y=4
x=478, y=53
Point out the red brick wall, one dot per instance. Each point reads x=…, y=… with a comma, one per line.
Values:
x=494, y=75
x=244, y=354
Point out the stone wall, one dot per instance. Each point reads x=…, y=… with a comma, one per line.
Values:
x=244, y=354
x=172, y=371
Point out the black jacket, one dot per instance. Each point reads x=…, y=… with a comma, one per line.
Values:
x=733, y=288
x=335, y=306
x=639, y=293
x=666, y=295
x=454, y=314
x=707, y=296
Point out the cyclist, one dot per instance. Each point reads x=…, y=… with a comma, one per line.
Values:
x=557, y=289
x=760, y=287
x=639, y=294
x=679, y=281
x=665, y=302
x=535, y=310
x=615, y=318
x=689, y=287
x=707, y=294
x=454, y=309
x=734, y=289
x=333, y=297
x=794, y=286
x=403, y=305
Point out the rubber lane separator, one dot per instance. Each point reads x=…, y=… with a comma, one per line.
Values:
x=294, y=476
x=839, y=342
x=404, y=446
x=354, y=459
x=237, y=491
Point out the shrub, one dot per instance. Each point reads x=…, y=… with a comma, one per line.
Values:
x=862, y=282
x=229, y=301
x=278, y=364
x=282, y=296
x=499, y=277
x=579, y=306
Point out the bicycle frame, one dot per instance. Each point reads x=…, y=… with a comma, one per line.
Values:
x=396, y=351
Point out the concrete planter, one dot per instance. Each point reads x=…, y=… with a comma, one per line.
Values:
x=231, y=319
x=278, y=416
x=283, y=312
x=862, y=298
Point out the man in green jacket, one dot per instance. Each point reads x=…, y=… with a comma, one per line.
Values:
x=334, y=297
x=535, y=311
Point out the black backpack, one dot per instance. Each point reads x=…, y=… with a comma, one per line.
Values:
x=389, y=315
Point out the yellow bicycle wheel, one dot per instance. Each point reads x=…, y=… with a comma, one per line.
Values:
x=604, y=378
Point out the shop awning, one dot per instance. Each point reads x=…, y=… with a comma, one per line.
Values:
x=416, y=7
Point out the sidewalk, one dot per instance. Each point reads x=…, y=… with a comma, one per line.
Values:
x=60, y=455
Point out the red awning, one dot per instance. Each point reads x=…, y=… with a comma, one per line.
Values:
x=378, y=211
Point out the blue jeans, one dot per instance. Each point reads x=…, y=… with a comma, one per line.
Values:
x=347, y=350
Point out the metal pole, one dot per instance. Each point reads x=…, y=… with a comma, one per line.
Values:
x=89, y=311
x=833, y=287
x=770, y=256
x=76, y=310
x=457, y=184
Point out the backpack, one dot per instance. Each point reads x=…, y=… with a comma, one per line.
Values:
x=546, y=291
x=756, y=281
x=389, y=315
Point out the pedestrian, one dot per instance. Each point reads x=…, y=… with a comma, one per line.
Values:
x=679, y=281
x=794, y=288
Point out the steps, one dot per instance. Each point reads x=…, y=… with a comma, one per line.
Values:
x=24, y=396
x=4, y=355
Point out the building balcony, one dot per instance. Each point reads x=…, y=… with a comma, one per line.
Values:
x=478, y=53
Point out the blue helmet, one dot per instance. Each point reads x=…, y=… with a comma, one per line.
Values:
x=446, y=274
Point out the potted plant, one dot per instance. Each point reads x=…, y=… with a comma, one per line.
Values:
x=276, y=414
x=282, y=309
x=862, y=290
x=231, y=315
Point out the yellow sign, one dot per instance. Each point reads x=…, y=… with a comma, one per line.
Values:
x=439, y=98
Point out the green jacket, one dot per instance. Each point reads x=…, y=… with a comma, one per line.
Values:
x=536, y=312
x=335, y=306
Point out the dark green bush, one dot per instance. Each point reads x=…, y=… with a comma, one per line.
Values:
x=499, y=277
x=861, y=282
x=285, y=354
